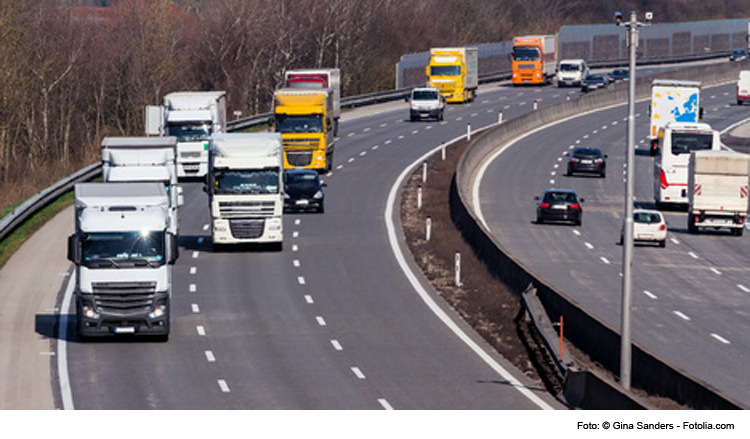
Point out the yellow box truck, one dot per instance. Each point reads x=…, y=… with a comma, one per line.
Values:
x=455, y=72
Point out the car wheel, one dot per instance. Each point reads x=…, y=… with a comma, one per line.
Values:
x=577, y=222
x=539, y=220
x=663, y=243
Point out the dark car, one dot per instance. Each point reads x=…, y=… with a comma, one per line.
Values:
x=619, y=74
x=587, y=159
x=559, y=205
x=593, y=82
x=303, y=190
x=738, y=55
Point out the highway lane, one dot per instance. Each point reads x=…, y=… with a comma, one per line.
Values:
x=330, y=322
x=690, y=299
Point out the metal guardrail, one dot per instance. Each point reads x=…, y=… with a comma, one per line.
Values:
x=36, y=203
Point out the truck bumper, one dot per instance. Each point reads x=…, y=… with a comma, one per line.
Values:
x=95, y=322
x=424, y=114
x=247, y=230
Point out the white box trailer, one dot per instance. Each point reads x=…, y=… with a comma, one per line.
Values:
x=672, y=101
x=718, y=190
x=144, y=159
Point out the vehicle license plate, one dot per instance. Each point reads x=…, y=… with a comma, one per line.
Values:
x=586, y=162
x=559, y=207
x=301, y=202
x=125, y=330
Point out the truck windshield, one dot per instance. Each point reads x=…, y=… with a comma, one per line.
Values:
x=299, y=124
x=424, y=95
x=190, y=132
x=683, y=143
x=246, y=181
x=445, y=70
x=522, y=53
x=123, y=249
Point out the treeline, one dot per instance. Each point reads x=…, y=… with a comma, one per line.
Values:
x=74, y=71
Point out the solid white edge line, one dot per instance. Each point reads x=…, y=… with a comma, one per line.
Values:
x=424, y=295
x=66, y=393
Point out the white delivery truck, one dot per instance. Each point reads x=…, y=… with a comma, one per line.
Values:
x=718, y=195
x=426, y=102
x=192, y=117
x=743, y=87
x=672, y=101
x=121, y=250
x=572, y=72
x=329, y=79
x=145, y=159
x=245, y=189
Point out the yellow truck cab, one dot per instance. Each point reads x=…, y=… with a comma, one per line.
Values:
x=304, y=119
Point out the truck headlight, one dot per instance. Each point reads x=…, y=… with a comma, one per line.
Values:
x=89, y=313
x=159, y=311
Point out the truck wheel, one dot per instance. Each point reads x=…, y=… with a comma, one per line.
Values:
x=738, y=232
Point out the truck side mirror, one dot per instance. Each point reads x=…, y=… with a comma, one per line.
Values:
x=73, y=249
x=700, y=113
x=180, y=196
x=173, y=248
x=270, y=121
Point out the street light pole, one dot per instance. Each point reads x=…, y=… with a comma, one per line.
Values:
x=627, y=243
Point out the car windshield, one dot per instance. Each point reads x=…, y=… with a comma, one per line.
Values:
x=587, y=152
x=559, y=197
x=250, y=181
x=190, y=132
x=299, y=179
x=595, y=78
x=646, y=217
x=123, y=249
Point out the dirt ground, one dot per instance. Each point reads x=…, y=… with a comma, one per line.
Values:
x=483, y=301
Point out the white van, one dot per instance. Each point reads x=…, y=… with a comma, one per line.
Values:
x=571, y=72
x=743, y=87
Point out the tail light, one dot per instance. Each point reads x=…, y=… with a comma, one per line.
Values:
x=662, y=227
x=575, y=206
x=544, y=205
x=663, y=180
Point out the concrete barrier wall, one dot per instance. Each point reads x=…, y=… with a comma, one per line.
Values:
x=586, y=331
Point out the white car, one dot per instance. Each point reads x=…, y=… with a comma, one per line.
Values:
x=648, y=226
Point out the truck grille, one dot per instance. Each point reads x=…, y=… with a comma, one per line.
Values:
x=244, y=209
x=299, y=158
x=247, y=228
x=124, y=298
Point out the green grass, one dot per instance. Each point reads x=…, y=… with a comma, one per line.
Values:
x=15, y=240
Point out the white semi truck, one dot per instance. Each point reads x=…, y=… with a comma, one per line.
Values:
x=144, y=159
x=192, y=117
x=245, y=189
x=718, y=190
x=121, y=249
